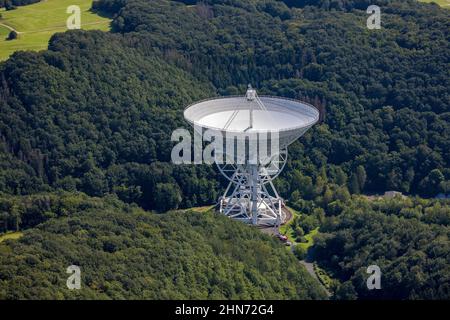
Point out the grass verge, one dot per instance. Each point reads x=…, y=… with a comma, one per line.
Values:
x=10, y=235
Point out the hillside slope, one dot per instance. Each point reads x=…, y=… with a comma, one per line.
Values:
x=121, y=95
x=36, y=23
x=94, y=113
x=126, y=253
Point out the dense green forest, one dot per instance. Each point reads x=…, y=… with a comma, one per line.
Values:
x=406, y=237
x=10, y=4
x=409, y=243
x=388, y=113
x=94, y=114
x=126, y=253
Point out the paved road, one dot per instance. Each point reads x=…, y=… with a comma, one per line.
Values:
x=273, y=231
x=310, y=268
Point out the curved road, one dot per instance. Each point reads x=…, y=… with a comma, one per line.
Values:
x=310, y=268
x=308, y=265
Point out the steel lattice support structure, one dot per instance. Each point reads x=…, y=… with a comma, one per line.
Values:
x=246, y=121
x=251, y=196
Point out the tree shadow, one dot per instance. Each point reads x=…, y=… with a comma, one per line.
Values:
x=103, y=13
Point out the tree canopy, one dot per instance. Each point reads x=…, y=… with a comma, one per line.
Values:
x=126, y=253
x=94, y=114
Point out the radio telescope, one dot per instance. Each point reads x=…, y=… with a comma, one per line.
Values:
x=257, y=123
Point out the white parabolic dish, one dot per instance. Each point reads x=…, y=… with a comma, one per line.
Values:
x=290, y=118
x=251, y=196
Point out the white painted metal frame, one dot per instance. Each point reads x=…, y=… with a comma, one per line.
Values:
x=250, y=195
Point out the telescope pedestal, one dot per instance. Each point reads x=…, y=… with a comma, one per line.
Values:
x=251, y=196
x=246, y=122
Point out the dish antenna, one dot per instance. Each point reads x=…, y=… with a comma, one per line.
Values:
x=251, y=125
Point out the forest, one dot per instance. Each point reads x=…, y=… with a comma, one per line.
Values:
x=411, y=252
x=127, y=253
x=93, y=114
x=406, y=237
x=10, y=4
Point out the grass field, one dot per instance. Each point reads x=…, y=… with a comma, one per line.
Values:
x=10, y=235
x=309, y=238
x=202, y=209
x=36, y=23
x=287, y=230
x=442, y=3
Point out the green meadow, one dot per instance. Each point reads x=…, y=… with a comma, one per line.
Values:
x=10, y=236
x=442, y=3
x=36, y=23
x=289, y=232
